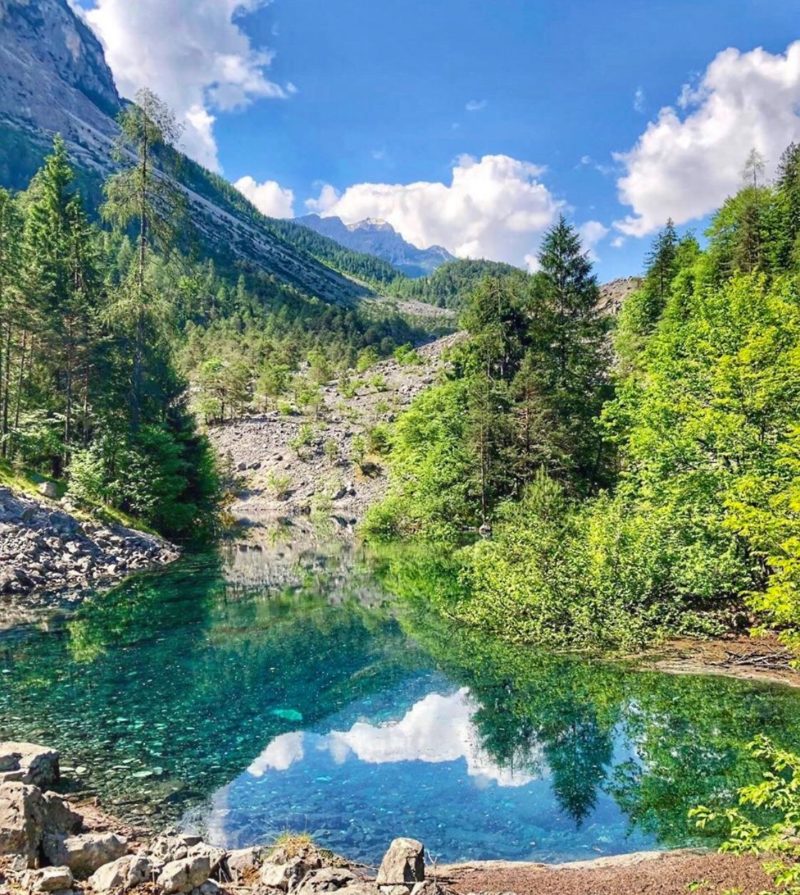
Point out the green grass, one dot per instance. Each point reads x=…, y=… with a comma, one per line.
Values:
x=27, y=481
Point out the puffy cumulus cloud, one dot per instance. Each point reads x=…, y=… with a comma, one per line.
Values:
x=495, y=207
x=270, y=198
x=434, y=730
x=687, y=162
x=192, y=53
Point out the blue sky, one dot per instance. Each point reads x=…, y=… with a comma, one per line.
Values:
x=354, y=93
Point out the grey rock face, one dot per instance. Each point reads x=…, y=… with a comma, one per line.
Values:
x=51, y=879
x=38, y=764
x=124, y=873
x=326, y=879
x=86, y=853
x=22, y=812
x=183, y=876
x=402, y=867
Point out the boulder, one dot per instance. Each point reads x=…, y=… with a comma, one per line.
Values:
x=183, y=876
x=50, y=879
x=39, y=765
x=49, y=489
x=22, y=813
x=243, y=863
x=326, y=879
x=281, y=872
x=59, y=816
x=216, y=856
x=86, y=853
x=402, y=867
x=124, y=873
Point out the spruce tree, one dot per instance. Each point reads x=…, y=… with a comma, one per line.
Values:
x=568, y=343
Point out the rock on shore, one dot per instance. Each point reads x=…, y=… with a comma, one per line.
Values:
x=45, y=847
x=46, y=550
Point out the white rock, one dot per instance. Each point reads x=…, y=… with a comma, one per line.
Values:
x=86, y=853
x=183, y=876
x=51, y=879
x=402, y=866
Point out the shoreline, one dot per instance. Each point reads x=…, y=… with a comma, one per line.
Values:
x=757, y=659
x=83, y=849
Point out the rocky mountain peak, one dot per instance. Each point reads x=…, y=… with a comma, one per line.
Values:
x=52, y=63
x=378, y=237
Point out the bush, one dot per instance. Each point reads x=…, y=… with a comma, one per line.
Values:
x=406, y=355
x=777, y=794
x=165, y=478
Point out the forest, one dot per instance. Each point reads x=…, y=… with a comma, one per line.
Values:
x=638, y=476
x=116, y=337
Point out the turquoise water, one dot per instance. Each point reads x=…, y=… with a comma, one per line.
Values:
x=287, y=688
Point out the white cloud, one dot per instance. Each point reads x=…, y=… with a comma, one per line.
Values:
x=639, y=100
x=270, y=198
x=434, y=730
x=495, y=208
x=591, y=233
x=476, y=105
x=686, y=163
x=192, y=53
x=617, y=242
x=327, y=199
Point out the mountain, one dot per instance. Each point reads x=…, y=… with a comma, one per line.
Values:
x=379, y=238
x=54, y=79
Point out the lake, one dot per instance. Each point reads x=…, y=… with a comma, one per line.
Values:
x=289, y=687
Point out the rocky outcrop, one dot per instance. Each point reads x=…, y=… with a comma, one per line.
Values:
x=44, y=550
x=613, y=294
x=45, y=847
x=28, y=763
x=403, y=866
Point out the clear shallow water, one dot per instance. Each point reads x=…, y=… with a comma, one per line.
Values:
x=288, y=688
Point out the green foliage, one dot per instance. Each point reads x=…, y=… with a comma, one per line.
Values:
x=366, y=359
x=304, y=438
x=450, y=285
x=771, y=829
x=670, y=504
x=279, y=485
x=406, y=355
x=431, y=479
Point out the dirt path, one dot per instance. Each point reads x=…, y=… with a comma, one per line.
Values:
x=648, y=873
x=324, y=463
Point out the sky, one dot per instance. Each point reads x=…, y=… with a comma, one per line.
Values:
x=474, y=123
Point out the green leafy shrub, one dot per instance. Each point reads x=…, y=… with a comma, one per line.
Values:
x=771, y=828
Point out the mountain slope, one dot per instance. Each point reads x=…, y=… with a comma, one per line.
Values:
x=54, y=79
x=379, y=238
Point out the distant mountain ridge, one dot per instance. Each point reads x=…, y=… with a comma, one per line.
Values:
x=379, y=238
x=54, y=79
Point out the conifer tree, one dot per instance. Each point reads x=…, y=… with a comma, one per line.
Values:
x=144, y=195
